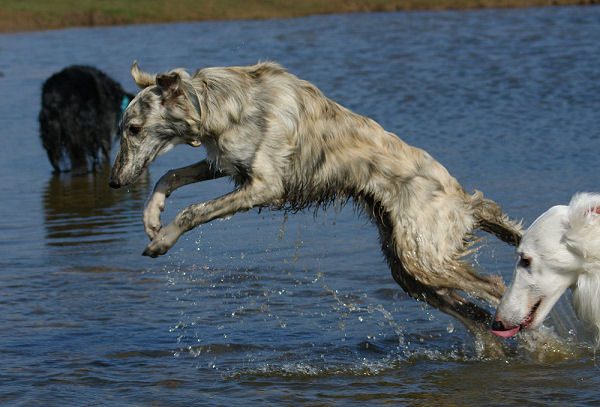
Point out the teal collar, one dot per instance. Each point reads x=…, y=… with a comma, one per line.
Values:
x=124, y=104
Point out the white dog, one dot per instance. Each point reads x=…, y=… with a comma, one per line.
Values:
x=560, y=250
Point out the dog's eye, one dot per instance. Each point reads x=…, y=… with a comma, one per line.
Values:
x=134, y=129
x=524, y=262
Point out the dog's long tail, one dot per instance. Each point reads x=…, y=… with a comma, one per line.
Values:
x=490, y=218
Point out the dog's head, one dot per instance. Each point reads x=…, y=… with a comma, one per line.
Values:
x=560, y=247
x=165, y=113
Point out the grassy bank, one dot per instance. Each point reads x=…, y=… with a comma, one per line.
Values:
x=27, y=15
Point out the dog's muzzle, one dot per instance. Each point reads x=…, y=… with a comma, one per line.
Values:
x=114, y=184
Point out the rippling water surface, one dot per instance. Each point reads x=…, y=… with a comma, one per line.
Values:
x=276, y=309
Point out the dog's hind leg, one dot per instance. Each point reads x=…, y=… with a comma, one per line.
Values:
x=173, y=179
x=255, y=193
x=442, y=297
x=472, y=316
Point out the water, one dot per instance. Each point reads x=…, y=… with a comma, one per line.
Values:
x=275, y=309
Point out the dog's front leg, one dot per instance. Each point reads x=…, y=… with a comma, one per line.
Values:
x=169, y=182
x=244, y=199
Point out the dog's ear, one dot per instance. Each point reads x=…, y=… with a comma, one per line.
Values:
x=585, y=206
x=141, y=78
x=583, y=230
x=169, y=83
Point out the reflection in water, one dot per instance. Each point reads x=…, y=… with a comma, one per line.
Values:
x=84, y=209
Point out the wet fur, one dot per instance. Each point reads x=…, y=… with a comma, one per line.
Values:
x=81, y=108
x=288, y=146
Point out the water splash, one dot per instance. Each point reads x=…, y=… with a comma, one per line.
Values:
x=352, y=307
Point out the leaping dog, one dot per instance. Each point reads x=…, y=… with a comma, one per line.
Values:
x=286, y=145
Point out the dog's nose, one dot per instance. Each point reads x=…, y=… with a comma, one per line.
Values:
x=498, y=325
x=114, y=183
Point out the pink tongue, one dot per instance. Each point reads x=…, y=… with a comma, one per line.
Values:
x=508, y=333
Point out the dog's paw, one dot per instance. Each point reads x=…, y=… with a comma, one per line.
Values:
x=163, y=241
x=152, y=228
x=151, y=216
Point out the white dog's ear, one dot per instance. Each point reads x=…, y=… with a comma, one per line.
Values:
x=583, y=230
x=141, y=78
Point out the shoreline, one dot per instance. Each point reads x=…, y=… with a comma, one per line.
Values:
x=40, y=15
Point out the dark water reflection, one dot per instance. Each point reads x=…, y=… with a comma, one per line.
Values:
x=85, y=210
x=272, y=309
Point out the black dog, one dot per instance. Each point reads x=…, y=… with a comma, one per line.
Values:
x=81, y=109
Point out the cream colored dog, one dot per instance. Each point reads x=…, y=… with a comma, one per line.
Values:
x=286, y=145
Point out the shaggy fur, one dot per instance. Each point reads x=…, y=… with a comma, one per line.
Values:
x=288, y=146
x=560, y=250
x=81, y=108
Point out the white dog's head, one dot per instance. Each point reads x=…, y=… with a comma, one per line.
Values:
x=561, y=249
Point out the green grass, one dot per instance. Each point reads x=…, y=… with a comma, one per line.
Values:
x=21, y=15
